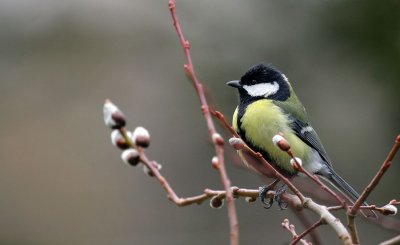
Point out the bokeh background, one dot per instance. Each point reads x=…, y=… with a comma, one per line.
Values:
x=61, y=181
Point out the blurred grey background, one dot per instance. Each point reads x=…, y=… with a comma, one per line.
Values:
x=61, y=181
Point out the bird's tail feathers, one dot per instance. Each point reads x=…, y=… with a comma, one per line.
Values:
x=348, y=191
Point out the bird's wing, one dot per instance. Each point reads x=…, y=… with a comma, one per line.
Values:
x=298, y=118
x=307, y=134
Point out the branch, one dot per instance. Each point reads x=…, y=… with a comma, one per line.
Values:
x=351, y=215
x=309, y=230
x=331, y=220
x=388, y=209
x=393, y=241
x=315, y=239
x=292, y=229
x=239, y=144
x=216, y=138
x=315, y=178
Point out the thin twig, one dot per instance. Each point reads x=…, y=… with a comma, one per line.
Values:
x=315, y=238
x=392, y=241
x=275, y=172
x=216, y=138
x=383, y=210
x=351, y=214
x=224, y=122
x=315, y=178
x=292, y=230
x=309, y=230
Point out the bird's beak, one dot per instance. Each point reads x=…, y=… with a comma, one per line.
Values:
x=235, y=84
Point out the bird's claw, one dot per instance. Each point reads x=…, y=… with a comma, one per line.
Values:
x=278, y=197
x=266, y=201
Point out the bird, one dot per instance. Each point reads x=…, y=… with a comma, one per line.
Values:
x=268, y=106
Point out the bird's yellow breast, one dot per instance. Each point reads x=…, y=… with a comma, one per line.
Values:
x=261, y=121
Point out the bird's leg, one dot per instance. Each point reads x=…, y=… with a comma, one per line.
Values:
x=263, y=190
x=277, y=197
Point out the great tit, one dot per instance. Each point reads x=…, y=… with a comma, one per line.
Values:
x=268, y=106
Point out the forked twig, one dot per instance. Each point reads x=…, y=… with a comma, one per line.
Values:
x=351, y=214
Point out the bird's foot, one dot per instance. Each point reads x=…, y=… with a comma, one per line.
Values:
x=278, y=197
x=266, y=201
x=263, y=190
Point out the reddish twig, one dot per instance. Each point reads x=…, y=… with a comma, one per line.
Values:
x=351, y=214
x=221, y=118
x=208, y=193
x=385, y=210
x=309, y=230
x=298, y=166
x=315, y=239
x=275, y=172
x=316, y=179
x=217, y=139
x=291, y=228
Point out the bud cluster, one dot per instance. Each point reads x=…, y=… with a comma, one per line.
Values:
x=123, y=139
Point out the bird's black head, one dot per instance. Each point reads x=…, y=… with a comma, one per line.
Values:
x=262, y=81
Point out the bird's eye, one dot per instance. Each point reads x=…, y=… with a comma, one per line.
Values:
x=253, y=81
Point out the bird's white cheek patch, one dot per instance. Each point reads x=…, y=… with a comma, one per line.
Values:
x=262, y=89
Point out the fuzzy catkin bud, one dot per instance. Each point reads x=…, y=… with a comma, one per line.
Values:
x=215, y=162
x=280, y=142
x=113, y=116
x=118, y=140
x=389, y=209
x=130, y=157
x=236, y=143
x=293, y=162
x=216, y=202
x=141, y=137
x=217, y=139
